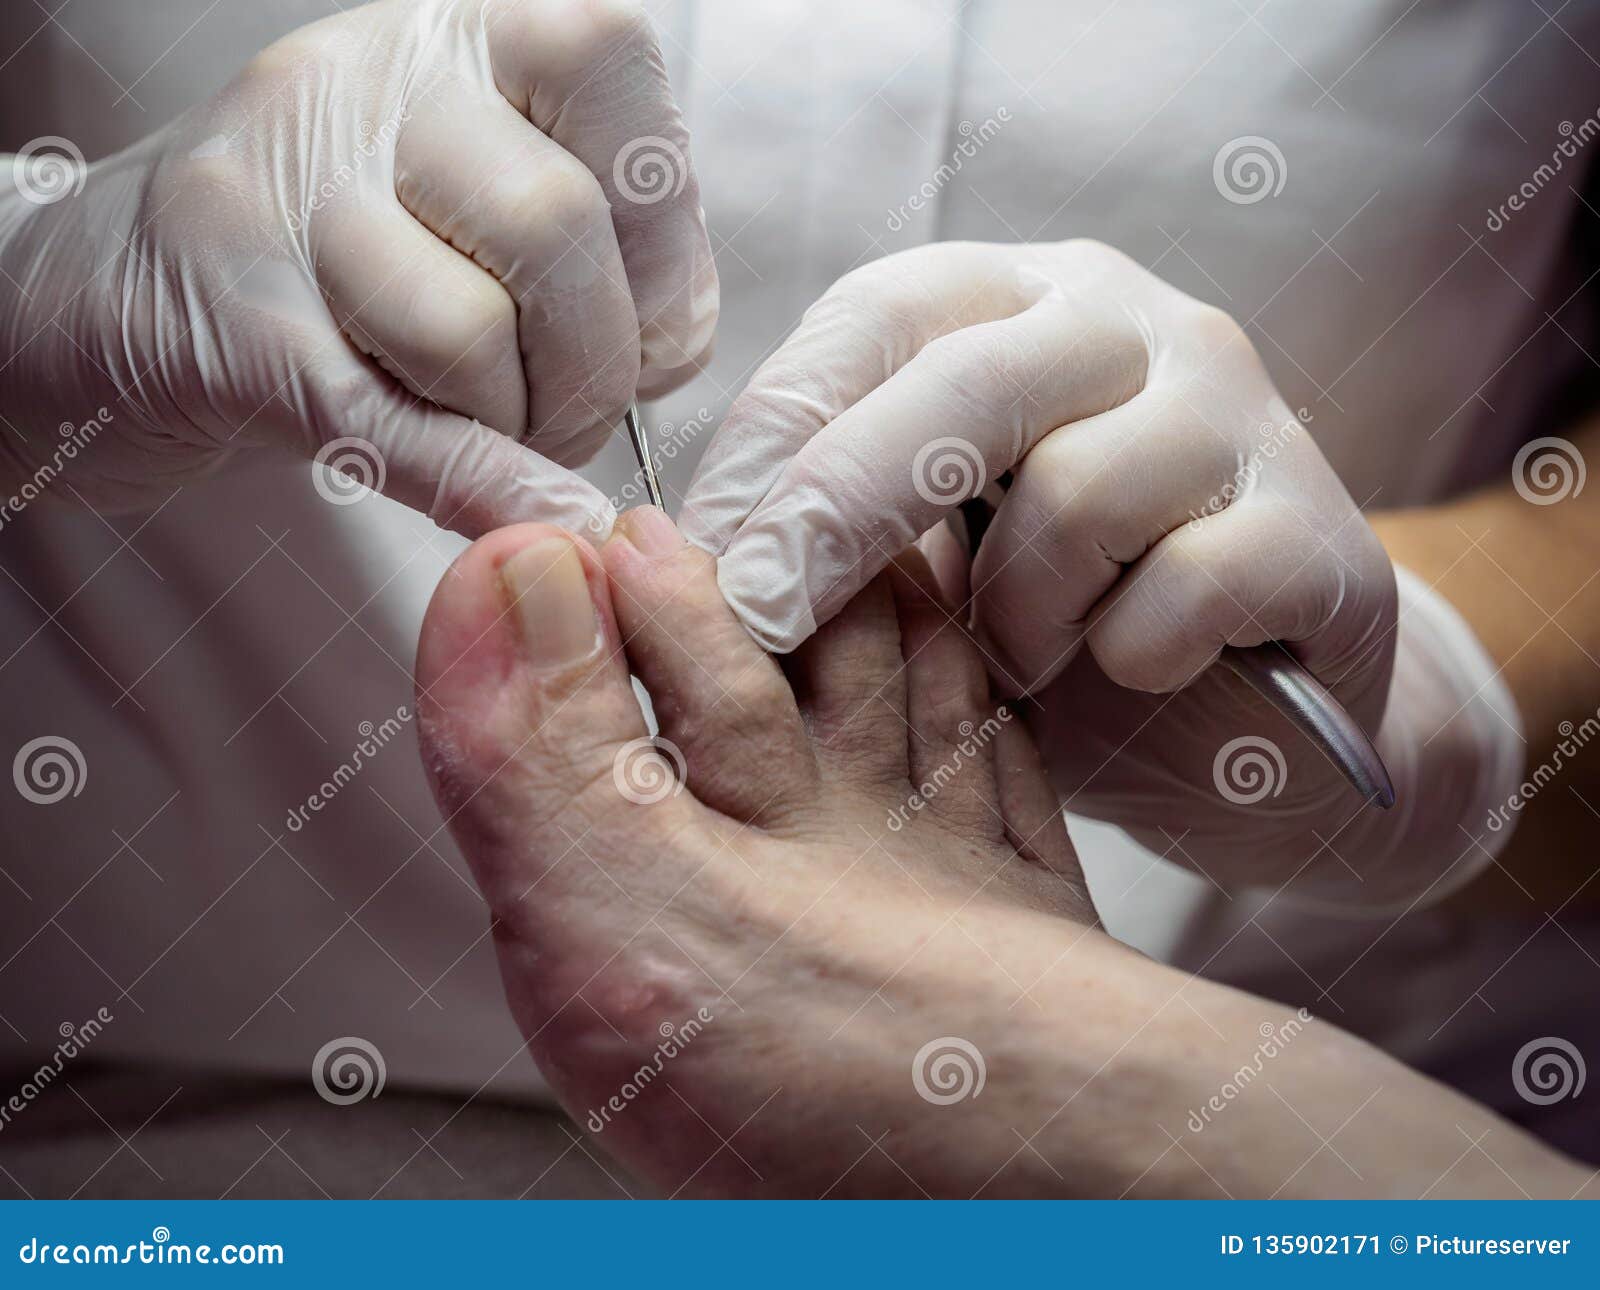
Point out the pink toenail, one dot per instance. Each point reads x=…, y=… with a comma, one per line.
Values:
x=551, y=604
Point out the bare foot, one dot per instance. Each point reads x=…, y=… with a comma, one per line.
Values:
x=828, y=935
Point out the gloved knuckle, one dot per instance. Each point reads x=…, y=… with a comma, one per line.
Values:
x=568, y=196
x=604, y=26
x=1090, y=524
x=605, y=395
x=987, y=372
x=1091, y=259
x=1059, y=473
x=299, y=53
x=1213, y=329
x=465, y=329
x=873, y=303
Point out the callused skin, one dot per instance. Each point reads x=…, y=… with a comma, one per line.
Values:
x=745, y=980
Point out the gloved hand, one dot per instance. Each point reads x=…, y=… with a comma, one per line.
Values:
x=1166, y=502
x=430, y=229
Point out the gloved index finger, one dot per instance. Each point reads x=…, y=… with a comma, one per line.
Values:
x=870, y=323
x=966, y=408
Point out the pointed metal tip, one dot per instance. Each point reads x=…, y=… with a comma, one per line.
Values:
x=641, y=451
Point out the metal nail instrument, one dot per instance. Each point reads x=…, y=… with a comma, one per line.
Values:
x=641, y=450
x=1273, y=673
x=1268, y=669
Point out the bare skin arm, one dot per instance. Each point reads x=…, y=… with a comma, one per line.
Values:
x=1527, y=579
x=811, y=928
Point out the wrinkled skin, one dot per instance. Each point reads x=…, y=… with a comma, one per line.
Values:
x=1166, y=503
x=740, y=976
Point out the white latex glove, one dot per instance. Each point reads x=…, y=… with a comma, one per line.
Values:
x=1167, y=502
x=432, y=227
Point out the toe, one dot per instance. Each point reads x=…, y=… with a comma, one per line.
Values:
x=529, y=726
x=1034, y=823
x=953, y=724
x=850, y=681
x=718, y=696
x=944, y=547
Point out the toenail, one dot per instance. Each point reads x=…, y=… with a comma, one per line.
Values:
x=652, y=532
x=550, y=601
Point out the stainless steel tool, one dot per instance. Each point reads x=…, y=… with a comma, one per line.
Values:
x=1269, y=669
x=641, y=450
x=1273, y=673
